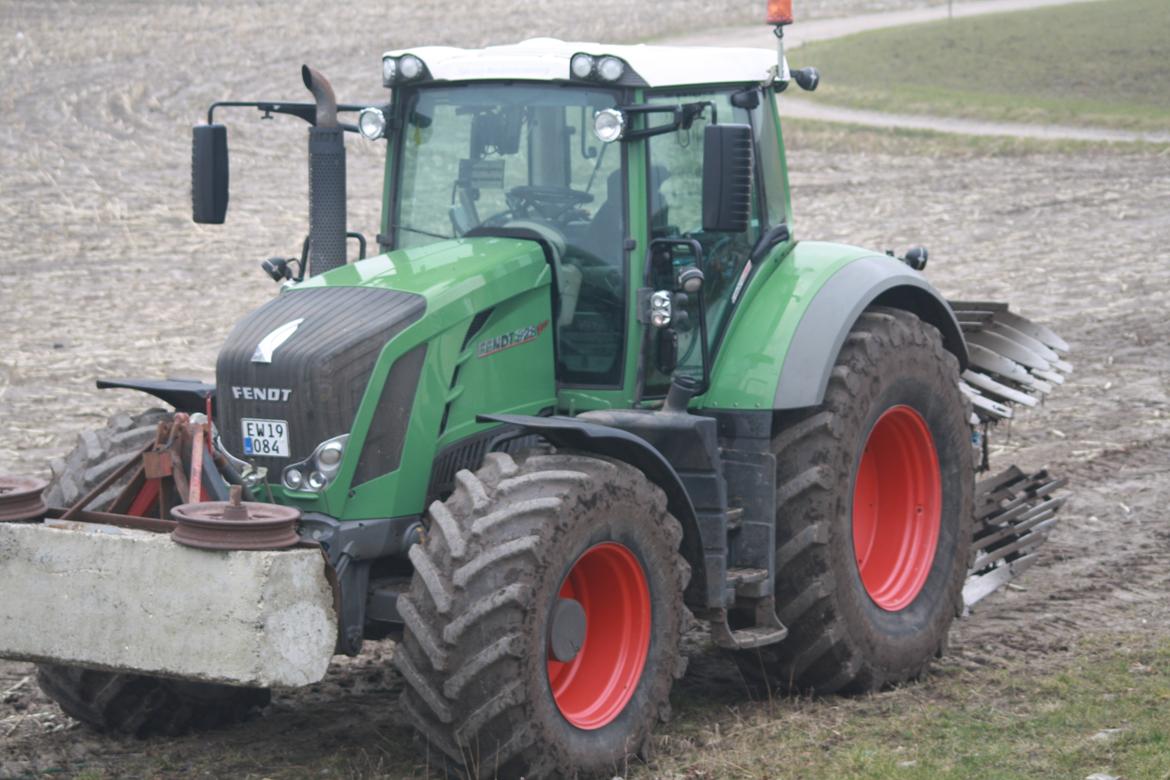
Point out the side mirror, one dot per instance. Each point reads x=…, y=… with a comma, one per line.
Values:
x=727, y=178
x=209, y=174
x=807, y=78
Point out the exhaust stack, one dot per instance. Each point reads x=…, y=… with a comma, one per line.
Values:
x=326, y=179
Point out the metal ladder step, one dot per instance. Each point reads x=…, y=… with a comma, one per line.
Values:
x=744, y=576
x=749, y=583
x=756, y=636
x=768, y=629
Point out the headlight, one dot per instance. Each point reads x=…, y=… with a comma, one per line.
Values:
x=372, y=123
x=660, y=309
x=389, y=71
x=318, y=471
x=608, y=125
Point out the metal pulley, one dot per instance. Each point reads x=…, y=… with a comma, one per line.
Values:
x=236, y=524
x=20, y=499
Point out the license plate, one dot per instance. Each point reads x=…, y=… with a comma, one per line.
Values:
x=265, y=438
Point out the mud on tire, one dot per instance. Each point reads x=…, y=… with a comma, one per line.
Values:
x=839, y=638
x=140, y=705
x=474, y=650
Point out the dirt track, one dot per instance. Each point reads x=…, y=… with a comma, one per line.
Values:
x=101, y=273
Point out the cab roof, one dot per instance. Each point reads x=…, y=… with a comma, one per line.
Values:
x=547, y=59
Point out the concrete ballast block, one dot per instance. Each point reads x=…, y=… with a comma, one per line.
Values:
x=135, y=601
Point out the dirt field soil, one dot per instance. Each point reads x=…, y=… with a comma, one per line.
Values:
x=102, y=274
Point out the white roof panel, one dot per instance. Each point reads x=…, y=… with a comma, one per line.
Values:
x=547, y=59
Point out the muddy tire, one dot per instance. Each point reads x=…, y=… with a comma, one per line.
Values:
x=99, y=453
x=501, y=558
x=143, y=706
x=873, y=512
x=140, y=705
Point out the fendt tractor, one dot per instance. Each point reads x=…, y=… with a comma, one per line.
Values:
x=588, y=393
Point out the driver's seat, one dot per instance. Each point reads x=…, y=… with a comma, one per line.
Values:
x=607, y=222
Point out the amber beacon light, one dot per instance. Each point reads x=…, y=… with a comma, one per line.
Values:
x=779, y=12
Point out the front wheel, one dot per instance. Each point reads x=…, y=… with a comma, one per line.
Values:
x=873, y=513
x=137, y=704
x=543, y=623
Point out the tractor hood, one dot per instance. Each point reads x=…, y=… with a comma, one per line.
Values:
x=294, y=372
x=465, y=273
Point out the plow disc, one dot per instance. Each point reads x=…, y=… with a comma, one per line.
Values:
x=1014, y=513
x=1014, y=362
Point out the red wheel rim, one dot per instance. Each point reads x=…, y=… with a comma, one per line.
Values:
x=897, y=508
x=593, y=688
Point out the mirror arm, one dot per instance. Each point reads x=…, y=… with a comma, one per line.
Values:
x=684, y=115
x=305, y=111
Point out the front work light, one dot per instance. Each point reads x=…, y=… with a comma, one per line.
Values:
x=581, y=65
x=597, y=67
x=396, y=70
x=609, y=125
x=372, y=123
x=410, y=67
x=610, y=68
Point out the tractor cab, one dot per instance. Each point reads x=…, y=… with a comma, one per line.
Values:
x=602, y=155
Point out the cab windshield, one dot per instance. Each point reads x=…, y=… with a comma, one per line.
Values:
x=523, y=158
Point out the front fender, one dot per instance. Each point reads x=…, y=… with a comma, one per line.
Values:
x=571, y=433
x=784, y=339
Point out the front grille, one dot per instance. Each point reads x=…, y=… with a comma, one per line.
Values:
x=325, y=365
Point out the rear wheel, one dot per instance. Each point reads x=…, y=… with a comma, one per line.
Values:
x=873, y=513
x=542, y=626
x=135, y=704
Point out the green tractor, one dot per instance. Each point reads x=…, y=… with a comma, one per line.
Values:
x=589, y=389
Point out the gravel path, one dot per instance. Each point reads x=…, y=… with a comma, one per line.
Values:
x=842, y=24
x=808, y=108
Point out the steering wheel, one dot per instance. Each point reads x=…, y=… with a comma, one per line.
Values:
x=546, y=201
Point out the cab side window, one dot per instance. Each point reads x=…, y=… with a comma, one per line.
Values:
x=676, y=203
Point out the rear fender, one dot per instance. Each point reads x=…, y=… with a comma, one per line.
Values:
x=786, y=333
x=879, y=280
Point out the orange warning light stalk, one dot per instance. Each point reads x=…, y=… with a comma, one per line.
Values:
x=779, y=11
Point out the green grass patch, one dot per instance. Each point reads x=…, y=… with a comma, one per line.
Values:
x=1106, y=708
x=806, y=134
x=1097, y=64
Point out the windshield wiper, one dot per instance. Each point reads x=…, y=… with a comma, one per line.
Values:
x=421, y=232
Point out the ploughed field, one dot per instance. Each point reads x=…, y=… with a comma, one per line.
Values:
x=103, y=274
